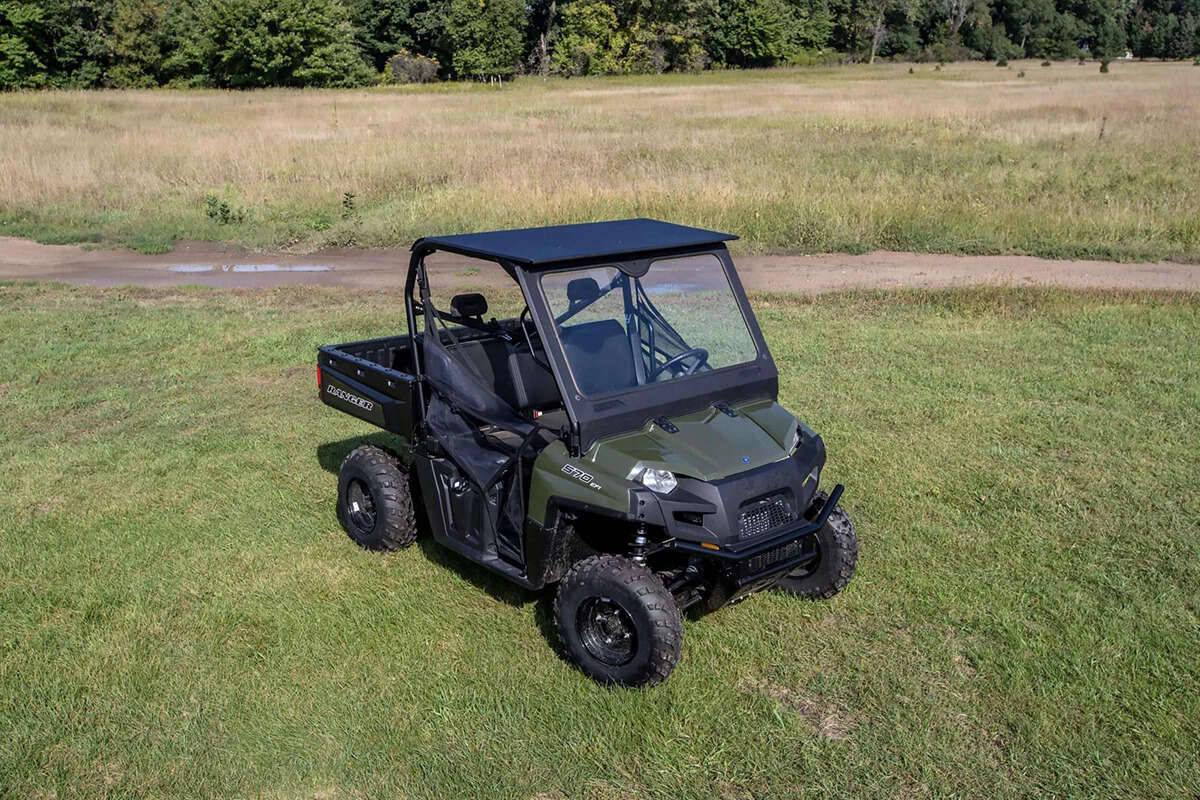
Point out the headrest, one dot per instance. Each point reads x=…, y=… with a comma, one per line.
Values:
x=583, y=290
x=471, y=304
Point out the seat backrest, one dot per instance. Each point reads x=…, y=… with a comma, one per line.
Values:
x=512, y=373
x=534, y=383
x=489, y=357
x=600, y=357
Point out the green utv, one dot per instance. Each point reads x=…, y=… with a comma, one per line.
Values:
x=620, y=438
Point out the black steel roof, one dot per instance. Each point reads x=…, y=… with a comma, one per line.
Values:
x=559, y=243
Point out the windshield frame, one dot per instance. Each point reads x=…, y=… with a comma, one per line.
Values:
x=624, y=410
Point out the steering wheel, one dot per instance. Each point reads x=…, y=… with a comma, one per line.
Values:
x=699, y=353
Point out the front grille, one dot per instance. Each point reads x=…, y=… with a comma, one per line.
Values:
x=763, y=515
x=763, y=561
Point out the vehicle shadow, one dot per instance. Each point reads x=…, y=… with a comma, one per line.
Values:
x=497, y=588
x=480, y=577
x=493, y=585
x=330, y=456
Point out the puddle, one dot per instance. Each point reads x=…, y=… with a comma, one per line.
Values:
x=247, y=268
x=672, y=288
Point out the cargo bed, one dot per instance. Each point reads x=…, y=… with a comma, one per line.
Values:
x=371, y=380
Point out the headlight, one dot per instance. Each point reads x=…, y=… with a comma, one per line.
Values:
x=658, y=480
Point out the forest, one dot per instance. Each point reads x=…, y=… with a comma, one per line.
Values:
x=347, y=43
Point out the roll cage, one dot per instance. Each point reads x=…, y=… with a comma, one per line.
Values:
x=629, y=246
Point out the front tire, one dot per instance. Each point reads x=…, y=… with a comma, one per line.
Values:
x=837, y=557
x=375, y=503
x=617, y=622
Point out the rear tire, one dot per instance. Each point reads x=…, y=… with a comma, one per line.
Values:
x=375, y=500
x=617, y=622
x=837, y=549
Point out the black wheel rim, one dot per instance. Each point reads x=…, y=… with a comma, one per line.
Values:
x=360, y=507
x=607, y=631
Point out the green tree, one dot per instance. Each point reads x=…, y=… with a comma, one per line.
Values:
x=383, y=28
x=248, y=43
x=138, y=39
x=1164, y=28
x=21, y=26
x=751, y=33
x=73, y=42
x=1183, y=41
x=1161, y=31
x=666, y=35
x=187, y=49
x=54, y=43
x=1110, y=42
x=586, y=40
x=810, y=25
x=863, y=27
x=482, y=38
x=1046, y=29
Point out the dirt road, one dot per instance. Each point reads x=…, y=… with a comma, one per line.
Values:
x=223, y=266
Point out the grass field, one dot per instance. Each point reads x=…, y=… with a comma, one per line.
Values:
x=1059, y=162
x=182, y=616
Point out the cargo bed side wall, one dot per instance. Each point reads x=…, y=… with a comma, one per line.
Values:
x=391, y=353
x=360, y=386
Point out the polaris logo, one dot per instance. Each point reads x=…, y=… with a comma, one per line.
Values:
x=352, y=399
x=581, y=476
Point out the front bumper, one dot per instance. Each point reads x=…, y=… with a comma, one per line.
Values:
x=713, y=511
x=764, y=560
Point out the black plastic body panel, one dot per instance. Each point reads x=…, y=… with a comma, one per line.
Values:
x=456, y=510
x=756, y=565
x=365, y=388
x=719, y=503
x=461, y=519
x=551, y=550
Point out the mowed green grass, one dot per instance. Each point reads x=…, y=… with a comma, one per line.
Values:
x=1058, y=161
x=180, y=614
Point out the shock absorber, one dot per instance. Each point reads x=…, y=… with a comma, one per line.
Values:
x=640, y=543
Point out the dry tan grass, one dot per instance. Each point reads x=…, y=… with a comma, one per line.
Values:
x=970, y=158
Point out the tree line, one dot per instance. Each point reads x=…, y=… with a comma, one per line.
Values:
x=251, y=43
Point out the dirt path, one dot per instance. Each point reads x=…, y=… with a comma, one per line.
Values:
x=225, y=266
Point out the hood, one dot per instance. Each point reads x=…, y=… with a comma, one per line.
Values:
x=708, y=445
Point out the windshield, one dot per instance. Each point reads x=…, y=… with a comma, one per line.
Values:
x=618, y=332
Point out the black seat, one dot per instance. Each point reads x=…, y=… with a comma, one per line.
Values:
x=513, y=373
x=533, y=384
x=600, y=357
x=489, y=357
